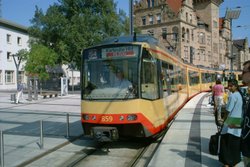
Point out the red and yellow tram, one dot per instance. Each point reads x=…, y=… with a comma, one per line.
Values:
x=160, y=85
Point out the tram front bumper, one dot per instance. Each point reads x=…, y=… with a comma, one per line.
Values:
x=105, y=134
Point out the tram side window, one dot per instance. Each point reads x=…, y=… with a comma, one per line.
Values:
x=179, y=78
x=149, y=84
x=171, y=78
x=193, y=78
x=166, y=80
x=206, y=77
x=184, y=76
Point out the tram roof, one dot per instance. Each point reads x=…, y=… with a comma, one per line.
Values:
x=126, y=39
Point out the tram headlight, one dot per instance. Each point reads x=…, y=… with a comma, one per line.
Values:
x=93, y=117
x=132, y=117
x=85, y=117
x=121, y=118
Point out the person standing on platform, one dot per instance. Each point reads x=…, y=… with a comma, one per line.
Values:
x=246, y=117
x=230, y=148
x=218, y=92
x=19, y=92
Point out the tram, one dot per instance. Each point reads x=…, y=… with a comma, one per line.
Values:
x=159, y=85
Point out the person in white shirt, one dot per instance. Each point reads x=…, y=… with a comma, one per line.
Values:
x=121, y=82
x=19, y=92
x=230, y=152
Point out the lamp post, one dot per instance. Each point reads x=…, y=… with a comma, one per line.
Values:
x=230, y=15
x=131, y=17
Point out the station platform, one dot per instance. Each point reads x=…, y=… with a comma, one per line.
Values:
x=184, y=145
x=186, y=142
x=21, y=128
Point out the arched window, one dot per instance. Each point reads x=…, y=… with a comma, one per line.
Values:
x=148, y=3
x=188, y=36
x=183, y=34
x=175, y=34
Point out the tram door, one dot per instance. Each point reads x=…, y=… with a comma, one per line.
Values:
x=149, y=77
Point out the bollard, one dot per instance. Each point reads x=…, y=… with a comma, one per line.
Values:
x=41, y=134
x=67, y=120
x=2, y=149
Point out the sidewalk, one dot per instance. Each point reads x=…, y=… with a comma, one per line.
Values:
x=186, y=142
x=21, y=128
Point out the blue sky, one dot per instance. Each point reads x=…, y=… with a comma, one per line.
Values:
x=21, y=11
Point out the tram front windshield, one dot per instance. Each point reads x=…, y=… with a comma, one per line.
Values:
x=110, y=72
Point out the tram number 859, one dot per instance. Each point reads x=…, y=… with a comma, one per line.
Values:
x=107, y=119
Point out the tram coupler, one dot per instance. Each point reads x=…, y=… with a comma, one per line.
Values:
x=105, y=134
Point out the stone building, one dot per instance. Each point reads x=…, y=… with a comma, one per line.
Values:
x=240, y=52
x=189, y=29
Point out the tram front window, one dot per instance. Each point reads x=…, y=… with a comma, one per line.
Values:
x=110, y=79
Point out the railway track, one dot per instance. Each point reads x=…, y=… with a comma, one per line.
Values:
x=121, y=153
x=82, y=151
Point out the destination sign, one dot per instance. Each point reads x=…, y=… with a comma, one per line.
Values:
x=124, y=51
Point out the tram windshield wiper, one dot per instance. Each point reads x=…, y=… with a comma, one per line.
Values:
x=129, y=92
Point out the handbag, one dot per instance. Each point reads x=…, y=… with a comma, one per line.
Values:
x=214, y=144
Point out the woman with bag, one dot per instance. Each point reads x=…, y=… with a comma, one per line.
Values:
x=230, y=153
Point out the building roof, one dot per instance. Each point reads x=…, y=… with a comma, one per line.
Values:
x=12, y=25
x=221, y=21
x=175, y=5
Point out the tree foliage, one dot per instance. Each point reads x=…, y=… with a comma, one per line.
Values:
x=39, y=60
x=69, y=26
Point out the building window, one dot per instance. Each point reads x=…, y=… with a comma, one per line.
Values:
x=192, y=35
x=8, y=38
x=9, y=56
x=151, y=19
x=215, y=24
x=201, y=38
x=158, y=18
x=198, y=54
x=175, y=34
x=191, y=20
x=208, y=40
x=186, y=17
x=186, y=53
x=1, y=80
x=148, y=3
x=164, y=33
x=19, y=40
x=9, y=77
x=188, y=36
x=203, y=54
x=183, y=34
x=143, y=20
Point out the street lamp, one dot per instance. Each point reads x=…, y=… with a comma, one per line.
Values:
x=131, y=28
x=230, y=15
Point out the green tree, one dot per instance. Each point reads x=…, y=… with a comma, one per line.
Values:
x=72, y=25
x=39, y=60
x=20, y=56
